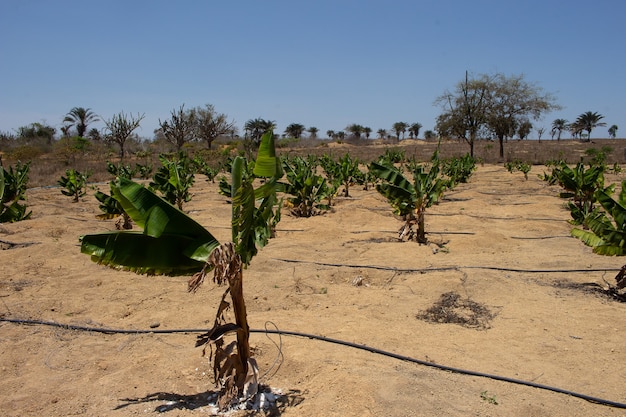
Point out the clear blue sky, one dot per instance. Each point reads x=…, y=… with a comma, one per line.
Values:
x=322, y=63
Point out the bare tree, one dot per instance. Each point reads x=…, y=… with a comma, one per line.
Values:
x=180, y=128
x=120, y=127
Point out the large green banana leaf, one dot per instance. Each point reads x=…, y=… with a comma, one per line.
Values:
x=171, y=243
x=606, y=237
x=398, y=191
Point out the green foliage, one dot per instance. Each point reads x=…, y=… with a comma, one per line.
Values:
x=13, y=190
x=74, y=184
x=174, y=179
x=518, y=165
x=306, y=187
x=345, y=171
x=171, y=242
x=392, y=156
x=598, y=156
x=458, y=169
x=123, y=171
x=225, y=187
x=144, y=171
x=111, y=208
x=580, y=185
x=607, y=228
x=410, y=199
x=202, y=167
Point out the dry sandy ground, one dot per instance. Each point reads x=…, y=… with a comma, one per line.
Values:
x=544, y=329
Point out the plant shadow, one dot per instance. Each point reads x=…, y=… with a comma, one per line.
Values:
x=169, y=401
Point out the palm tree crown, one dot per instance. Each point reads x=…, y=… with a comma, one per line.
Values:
x=588, y=121
x=80, y=117
x=558, y=125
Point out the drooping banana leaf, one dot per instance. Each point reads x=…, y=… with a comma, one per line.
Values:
x=171, y=242
x=398, y=191
x=606, y=234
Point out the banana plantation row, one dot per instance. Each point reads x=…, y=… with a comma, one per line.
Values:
x=170, y=242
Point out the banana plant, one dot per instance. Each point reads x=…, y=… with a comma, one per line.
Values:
x=174, y=179
x=12, y=190
x=580, y=186
x=173, y=243
x=410, y=199
x=607, y=228
x=307, y=188
x=74, y=184
x=111, y=208
x=607, y=232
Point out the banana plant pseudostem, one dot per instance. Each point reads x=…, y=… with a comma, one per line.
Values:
x=173, y=243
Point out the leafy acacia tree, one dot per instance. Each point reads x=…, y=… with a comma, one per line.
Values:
x=37, y=130
x=613, y=131
x=330, y=134
x=80, y=118
x=465, y=109
x=180, y=128
x=399, y=127
x=209, y=124
x=589, y=121
x=294, y=130
x=511, y=102
x=558, y=126
x=495, y=103
x=120, y=127
x=524, y=129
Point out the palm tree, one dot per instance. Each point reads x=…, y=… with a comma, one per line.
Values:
x=313, y=132
x=330, y=134
x=355, y=129
x=257, y=127
x=414, y=130
x=613, y=131
x=399, y=127
x=80, y=118
x=558, y=125
x=367, y=131
x=588, y=121
x=382, y=133
x=294, y=130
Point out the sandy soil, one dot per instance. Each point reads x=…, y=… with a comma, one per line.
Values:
x=505, y=241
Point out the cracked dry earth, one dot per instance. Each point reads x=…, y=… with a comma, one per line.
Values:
x=503, y=249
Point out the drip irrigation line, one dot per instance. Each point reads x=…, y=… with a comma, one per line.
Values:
x=531, y=384
x=448, y=268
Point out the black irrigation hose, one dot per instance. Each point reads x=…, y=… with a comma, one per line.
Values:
x=338, y=342
x=449, y=268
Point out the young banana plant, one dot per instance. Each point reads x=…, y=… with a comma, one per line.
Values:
x=12, y=191
x=410, y=199
x=173, y=243
x=607, y=232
